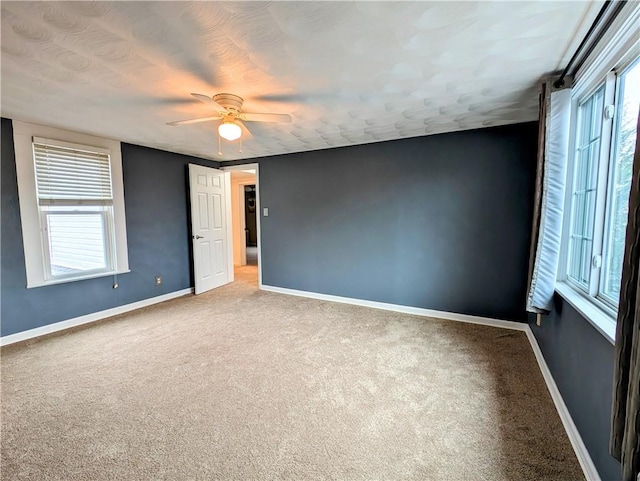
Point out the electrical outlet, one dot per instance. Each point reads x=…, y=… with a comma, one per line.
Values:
x=158, y=280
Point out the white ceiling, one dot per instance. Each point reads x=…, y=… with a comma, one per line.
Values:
x=347, y=72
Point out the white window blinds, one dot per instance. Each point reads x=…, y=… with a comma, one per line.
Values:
x=68, y=174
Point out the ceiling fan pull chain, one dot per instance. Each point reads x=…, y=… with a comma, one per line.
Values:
x=240, y=149
x=219, y=145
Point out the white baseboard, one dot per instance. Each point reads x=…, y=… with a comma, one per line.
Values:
x=589, y=469
x=95, y=316
x=418, y=311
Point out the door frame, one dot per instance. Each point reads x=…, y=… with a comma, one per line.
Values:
x=243, y=219
x=256, y=167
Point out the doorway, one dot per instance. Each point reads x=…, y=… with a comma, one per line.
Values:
x=245, y=222
x=251, y=227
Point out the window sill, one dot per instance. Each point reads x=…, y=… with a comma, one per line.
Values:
x=603, y=322
x=74, y=279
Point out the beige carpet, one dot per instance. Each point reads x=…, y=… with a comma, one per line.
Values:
x=240, y=384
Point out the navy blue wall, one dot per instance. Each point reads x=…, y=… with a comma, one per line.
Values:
x=581, y=361
x=440, y=222
x=156, y=204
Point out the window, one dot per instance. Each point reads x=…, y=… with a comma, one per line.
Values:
x=624, y=142
x=75, y=199
x=584, y=188
x=600, y=179
x=71, y=204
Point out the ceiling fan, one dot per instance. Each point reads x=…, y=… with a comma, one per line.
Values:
x=229, y=112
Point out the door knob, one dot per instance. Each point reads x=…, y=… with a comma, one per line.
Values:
x=198, y=237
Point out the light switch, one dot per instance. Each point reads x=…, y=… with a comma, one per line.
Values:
x=265, y=212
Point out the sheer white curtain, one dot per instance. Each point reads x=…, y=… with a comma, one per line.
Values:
x=553, y=146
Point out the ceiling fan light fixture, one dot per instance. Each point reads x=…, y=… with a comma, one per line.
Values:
x=229, y=130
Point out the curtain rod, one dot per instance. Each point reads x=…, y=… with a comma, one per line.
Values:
x=613, y=5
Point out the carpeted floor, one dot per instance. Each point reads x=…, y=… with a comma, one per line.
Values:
x=240, y=384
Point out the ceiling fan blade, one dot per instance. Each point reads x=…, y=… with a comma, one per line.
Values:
x=277, y=118
x=194, y=121
x=246, y=133
x=208, y=100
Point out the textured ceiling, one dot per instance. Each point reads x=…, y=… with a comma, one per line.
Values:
x=347, y=72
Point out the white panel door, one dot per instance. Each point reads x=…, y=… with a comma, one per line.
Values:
x=209, y=227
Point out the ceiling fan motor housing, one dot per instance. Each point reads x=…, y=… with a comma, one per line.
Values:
x=229, y=101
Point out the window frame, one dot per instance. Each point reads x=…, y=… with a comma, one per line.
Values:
x=615, y=53
x=35, y=240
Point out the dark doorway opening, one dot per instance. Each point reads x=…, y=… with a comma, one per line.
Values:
x=250, y=229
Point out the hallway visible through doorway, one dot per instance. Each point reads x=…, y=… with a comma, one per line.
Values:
x=245, y=222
